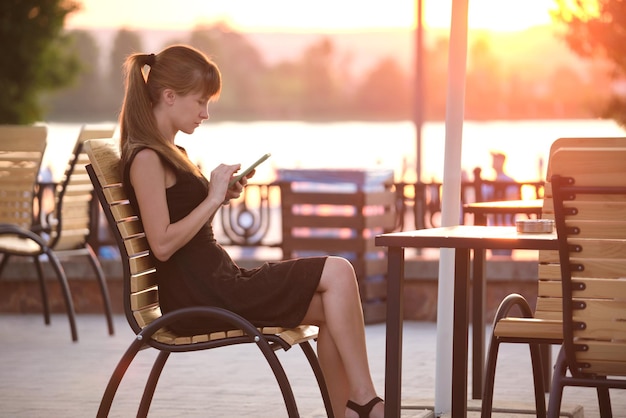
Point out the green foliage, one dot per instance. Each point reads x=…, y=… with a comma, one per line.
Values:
x=381, y=95
x=35, y=55
x=84, y=98
x=597, y=29
x=240, y=63
x=125, y=43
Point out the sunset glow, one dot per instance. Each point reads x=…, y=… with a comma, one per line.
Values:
x=289, y=15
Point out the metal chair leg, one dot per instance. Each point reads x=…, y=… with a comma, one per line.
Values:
x=319, y=375
x=556, y=388
x=104, y=291
x=43, y=290
x=117, y=376
x=546, y=361
x=536, y=358
x=153, y=379
x=65, y=289
x=489, y=378
x=280, y=375
x=604, y=402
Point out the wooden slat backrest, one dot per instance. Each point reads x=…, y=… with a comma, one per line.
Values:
x=549, y=273
x=591, y=166
x=21, y=152
x=574, y=142
x=142, y=305
x=596, y=223
x=75, y=194
x=549, y=290
x=583, y=142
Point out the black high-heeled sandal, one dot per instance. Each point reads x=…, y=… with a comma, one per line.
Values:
x=363, y=410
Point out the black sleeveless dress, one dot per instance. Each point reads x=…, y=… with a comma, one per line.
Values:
x=203, y=274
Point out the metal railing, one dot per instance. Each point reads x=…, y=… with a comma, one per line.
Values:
x=254, y=220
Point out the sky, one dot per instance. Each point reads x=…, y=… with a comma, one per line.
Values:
x=305, y=16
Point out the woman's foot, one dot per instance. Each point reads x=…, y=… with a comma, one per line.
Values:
x=364, y=411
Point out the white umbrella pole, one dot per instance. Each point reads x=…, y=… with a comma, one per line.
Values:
x=451, y=201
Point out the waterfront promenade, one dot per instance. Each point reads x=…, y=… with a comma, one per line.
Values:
x=44, y=374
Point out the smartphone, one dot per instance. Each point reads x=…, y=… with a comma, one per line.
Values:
x=248, y=170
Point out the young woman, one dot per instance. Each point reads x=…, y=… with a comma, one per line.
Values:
x=170, y=92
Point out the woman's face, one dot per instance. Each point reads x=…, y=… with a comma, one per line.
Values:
x=189, y=111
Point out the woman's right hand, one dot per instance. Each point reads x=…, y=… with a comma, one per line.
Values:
x=220, y=177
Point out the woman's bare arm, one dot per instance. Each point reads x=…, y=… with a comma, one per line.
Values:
x=150, y=178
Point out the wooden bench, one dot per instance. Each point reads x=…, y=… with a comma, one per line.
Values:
x=141, y=299
x=589, y=190
x=541, y=326
x=21, y=152
x=334, y=212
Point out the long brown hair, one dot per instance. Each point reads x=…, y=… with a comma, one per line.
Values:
x=180, y=68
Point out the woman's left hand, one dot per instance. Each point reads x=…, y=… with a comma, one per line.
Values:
x=236, y=189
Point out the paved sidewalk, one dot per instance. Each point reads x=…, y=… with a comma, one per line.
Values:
x=44, y=374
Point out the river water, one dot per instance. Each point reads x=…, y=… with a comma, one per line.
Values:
x=388, y=145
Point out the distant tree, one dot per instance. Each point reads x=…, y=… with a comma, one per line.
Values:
x=240, y=63
x=206, y=39
x=283, y=90
x=35, y=56
x=83, y=99
x=385, y=92
x=126, y=42
x=435, y=78
x=318, y=72
x=597, y=29
x=484, y=78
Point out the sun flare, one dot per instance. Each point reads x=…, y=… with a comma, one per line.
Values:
x=492, y=15
x=322, y=15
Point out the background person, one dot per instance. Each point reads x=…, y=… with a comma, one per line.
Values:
x=503, y=191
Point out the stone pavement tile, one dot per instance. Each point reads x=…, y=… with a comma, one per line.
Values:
x=44, y=374
x=508, y=409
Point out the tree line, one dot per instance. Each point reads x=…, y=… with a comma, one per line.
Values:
x=317, y=86
x=69, y=84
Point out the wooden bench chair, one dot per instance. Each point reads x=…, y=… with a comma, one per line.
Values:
x=70, y=224
x=21, y=152
x=324, y=218
x=141, y=299
x=516, y=322
x=590, y=216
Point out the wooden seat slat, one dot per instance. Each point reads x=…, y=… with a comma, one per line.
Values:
x=141, y=263
x=604, y=350
x=136, y=245
x=607, y=248
x=594, y=267
x=607, y=368
x=15, y=244
x=548, y=304
x=130, y=228
x=514, y=327
x=115, y=194
x=146, y=316
x=123, y=211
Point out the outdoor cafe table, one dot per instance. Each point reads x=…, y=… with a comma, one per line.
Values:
x=481, y=212
x=463, y=239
